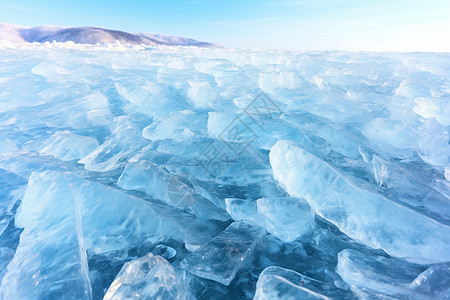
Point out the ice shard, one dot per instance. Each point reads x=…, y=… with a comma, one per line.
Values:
x=50, y=262
x=224, y=255
x=365, y=216
x=286, y=218
x=280, y=283
x=148, y=277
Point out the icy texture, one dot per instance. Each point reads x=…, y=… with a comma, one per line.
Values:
x=378, y=273
x=164, y=251
x=224, y=255
x=207, y=154
x=359, y=213
x=47, y=244
x=156, y=182
x=392, y=277
x=11, y=190
x=148, y=277
x=67, y=146
x=243, y=209
x=434, y=282
x=433, y=144
x=286, y=218
x=280, y=283
x=73, y=211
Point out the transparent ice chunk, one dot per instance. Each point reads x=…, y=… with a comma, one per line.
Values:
x=148, y=277
x=224, y=255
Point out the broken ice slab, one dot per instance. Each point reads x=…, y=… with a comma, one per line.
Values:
x=365, y=216
x=243, y=209
x=50, y=261
x=11, y=190
x=322, y=135
x=4, y=221
x=379, y=274
x=155, y=99
x=68, y=146
x=415, y=184
x=126, y=138
x=224, y=255
x=280, y=283
x=433, y=282
x=180, y=126
x=63, y=216
x=114, y=220
x=7, y=145
x=6, y=255
x=285, y=217
x=433, y=143
x=148, y=277
x=155, y=181
x=23, y=164
x=209, y=159
x=392, y=136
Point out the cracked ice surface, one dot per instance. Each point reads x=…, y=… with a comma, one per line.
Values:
x=264, y=174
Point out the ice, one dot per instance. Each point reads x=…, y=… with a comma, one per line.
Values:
x=113, y=220
x=392, y=277
x=67, y=146
x=433, y=108
x=391, y=135
x=50, y=248
x=243, y=209
x=280, y=283
x=110, y=219
x=269, y=82
x=6, y=255
x=380, y=274
x=156, y=99
x=286, y=218
x=204, y=156
x=95, y=218
x=148, y=277
x=433, y=144
x=327, y=136
x=126, y=139
x=434, y=282
x=224, y=255
x=7, y=145
x=180, y=126
x=398, y=181
x=11, y=191
x=202, y=94
x=372, y=219
x=165, y=252
x=152, y=179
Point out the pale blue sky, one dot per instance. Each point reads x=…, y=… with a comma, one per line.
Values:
x=403, y=25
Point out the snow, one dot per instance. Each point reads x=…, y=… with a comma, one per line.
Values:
x=257, y=174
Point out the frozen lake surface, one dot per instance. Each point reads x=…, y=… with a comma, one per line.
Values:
x=187, y=173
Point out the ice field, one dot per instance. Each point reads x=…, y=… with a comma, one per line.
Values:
x=132, y=172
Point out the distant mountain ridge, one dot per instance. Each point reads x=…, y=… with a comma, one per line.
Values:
x=91, y=35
